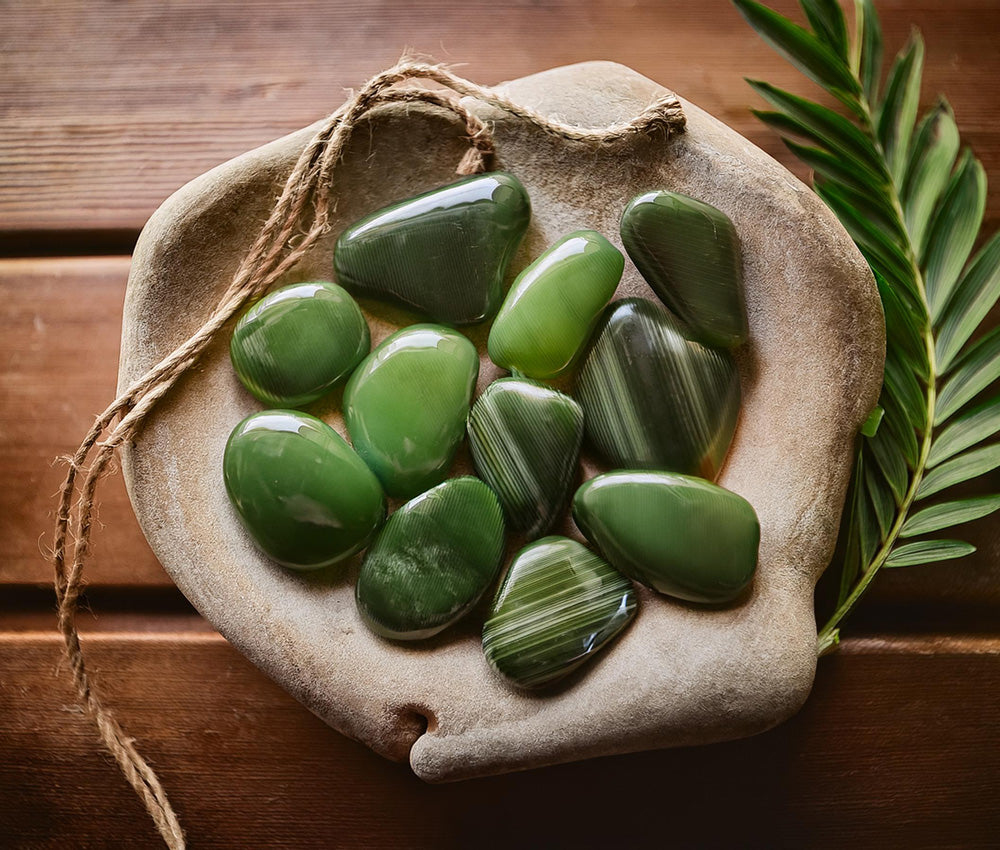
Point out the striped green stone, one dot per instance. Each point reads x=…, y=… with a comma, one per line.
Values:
x=689, y=254
x=432, y=561
x=677, y=534
x=525, y=441
x=443, y=254
x=298, y=342
x=551, y=309
x=654, y=399
x=558, y=606
x=405, y=406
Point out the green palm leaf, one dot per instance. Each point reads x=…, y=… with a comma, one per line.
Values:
x=915, y=215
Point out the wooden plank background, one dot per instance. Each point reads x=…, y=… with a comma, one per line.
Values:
x=105, y=109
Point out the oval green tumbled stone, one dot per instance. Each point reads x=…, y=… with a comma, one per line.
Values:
x=405, y=406
x=297, y=342
x=677, y=534
x=444, y=253
x=305, y=497
x=557, y=607
x=689, y=254
x=654, y=399
x=551, y=308
x=525, y=441
x=432, y=561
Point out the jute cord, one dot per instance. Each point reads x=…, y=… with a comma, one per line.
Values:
x=306, y=199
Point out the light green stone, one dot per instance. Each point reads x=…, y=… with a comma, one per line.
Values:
x=680, y=535
x=558, y=606
x=525, y=441
x=305, y=497
x=405, y=406
x=689, y=254
x=444, y=253
x=298, y=342
x=551, y=309
x=432, y=561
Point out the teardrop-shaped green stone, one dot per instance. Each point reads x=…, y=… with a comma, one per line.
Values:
x=680, y=535
x=525, y=440
x=444, y=253
x=405, y=406
x=551, y=309
x=689, y=253
x=296, y=343
x=653, y=399
x=557, y=607
x=305, y=497
x=432, y=561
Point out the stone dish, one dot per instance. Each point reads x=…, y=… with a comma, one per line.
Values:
x=680, y=674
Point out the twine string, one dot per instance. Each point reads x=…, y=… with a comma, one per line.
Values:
x=306, y=197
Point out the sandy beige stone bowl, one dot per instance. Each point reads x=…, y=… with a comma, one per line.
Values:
x=681, y=674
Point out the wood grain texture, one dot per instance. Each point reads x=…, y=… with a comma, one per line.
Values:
x=874, y=757
x=108, y=108
x=61, y=323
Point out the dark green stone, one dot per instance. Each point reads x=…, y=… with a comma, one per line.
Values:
x=680, y=535
x=297, y=342
x=443, y=254
x=557, y=607
x=305, y=497
x=405, y=406
x=689, y=253
x=432, y=561
x=653, y=399
x=525, y=440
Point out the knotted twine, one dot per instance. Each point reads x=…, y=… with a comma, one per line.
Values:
x=299, y=218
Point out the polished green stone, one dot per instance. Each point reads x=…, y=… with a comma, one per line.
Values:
x=551, y=308
x=653, y=399
x=680, y=535
x=296, y=343
x=432, y=561
x=689, y=253
x=525, y=441
x=557, y=607
x=443, y=254
x=305, y=497
x=405, y=406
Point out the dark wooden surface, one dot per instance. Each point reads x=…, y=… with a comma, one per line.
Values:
x=105, y=109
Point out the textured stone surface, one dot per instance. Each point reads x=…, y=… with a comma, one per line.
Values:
x=432, y=561
x=810, y=372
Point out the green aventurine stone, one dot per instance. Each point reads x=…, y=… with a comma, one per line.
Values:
x=432, y=561
x=405, y=406
x=525, y=440
x=551, y=309
x=689, y=253
x=653, y=399
x=293, y=345
x=443, y=254
x=559, y=604
x=305, y=497
x=680, y=535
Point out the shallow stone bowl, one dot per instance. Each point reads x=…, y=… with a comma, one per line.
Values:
x=681, y=673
